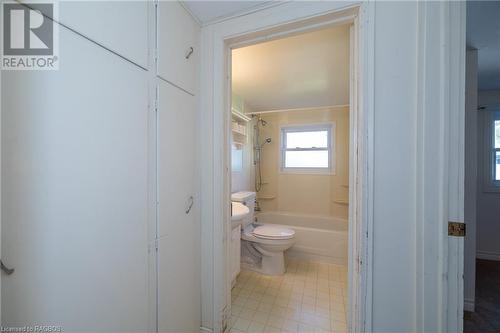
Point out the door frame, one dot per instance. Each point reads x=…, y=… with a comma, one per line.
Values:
x=218, y=40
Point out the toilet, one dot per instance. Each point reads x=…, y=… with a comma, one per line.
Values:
x=262, y=245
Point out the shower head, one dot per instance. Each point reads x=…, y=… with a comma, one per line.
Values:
x=268, y=140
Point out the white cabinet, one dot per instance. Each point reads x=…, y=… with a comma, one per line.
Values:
x=75, y=193
x=178, y=220
x=178, y=34
x=235, y=253
x=121, y=26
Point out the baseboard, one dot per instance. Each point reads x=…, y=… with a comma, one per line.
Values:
x=488, y=255
x=205, y=330
x=469, y=305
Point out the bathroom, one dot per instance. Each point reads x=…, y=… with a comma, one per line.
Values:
x=290, y=138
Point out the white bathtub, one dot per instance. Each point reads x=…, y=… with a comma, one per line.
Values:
x=319, y=238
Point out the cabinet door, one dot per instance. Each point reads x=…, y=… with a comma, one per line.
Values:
x=177, y=34
x=178, y=221
x=121, y=26
x=75, y=193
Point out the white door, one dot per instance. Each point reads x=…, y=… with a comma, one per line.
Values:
x=178, y=222
x=120, y=26
x=178, y=46
x=75, y=193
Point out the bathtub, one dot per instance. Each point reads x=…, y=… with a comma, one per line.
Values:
x=317, y=238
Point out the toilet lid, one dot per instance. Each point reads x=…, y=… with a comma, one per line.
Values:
x=270, y=231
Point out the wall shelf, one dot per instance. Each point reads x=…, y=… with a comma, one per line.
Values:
x=239, y=132
x=238, y=114
x=341, y=202
x=266, y=197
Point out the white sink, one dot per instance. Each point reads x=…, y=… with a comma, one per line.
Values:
x=239, y=212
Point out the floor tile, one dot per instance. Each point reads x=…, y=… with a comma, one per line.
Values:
x=241, y=324
x=310, y=297
x=256, y=327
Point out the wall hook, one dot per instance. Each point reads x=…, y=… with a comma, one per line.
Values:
x=6, y=270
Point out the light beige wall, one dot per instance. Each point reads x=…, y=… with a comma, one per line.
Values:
x=300, y=193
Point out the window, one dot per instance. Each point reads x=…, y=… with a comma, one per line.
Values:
x=307, y=149
x=493, y=152
x=236, y=157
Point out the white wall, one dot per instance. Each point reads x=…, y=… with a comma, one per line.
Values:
x=488, y=203
x=395, y=165
x=471, y=160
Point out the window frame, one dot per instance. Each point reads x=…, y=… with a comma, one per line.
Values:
x=489, y=160
x=329, y=127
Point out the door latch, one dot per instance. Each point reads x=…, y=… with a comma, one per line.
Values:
x=456, y=229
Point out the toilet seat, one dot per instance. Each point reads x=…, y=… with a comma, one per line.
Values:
x=270, y=231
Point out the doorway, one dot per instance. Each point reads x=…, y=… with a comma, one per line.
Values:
x=357, y=188
x=290, y=134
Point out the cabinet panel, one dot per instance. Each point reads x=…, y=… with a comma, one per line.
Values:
x=177, y=33
x=177, y=148
x=75, y=193
x=121, y=26
x=178, y=286
x=179, y=230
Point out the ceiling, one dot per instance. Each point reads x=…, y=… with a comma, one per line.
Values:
x=302, y=71
x=208, y=11
x=483, y=33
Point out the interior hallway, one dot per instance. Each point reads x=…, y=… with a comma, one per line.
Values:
x=486, y=318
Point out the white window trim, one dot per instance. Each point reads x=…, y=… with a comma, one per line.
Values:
x=330, y=127
x=490, y=184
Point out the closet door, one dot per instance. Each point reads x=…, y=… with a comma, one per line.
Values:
x=75, y=193
x=121, y=26
x=178, y=220
x=178, y=33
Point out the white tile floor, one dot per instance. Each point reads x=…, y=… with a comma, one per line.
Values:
x=311, y=297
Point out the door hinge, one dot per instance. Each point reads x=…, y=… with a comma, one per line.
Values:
x=456, y=229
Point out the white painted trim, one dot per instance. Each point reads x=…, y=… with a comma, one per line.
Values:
x=361, y=193
x=302, y=109
x=486, y=255
x=262, y=25
x=454, y=87
x=469, y=305
x=205, y=330
x=440, y=164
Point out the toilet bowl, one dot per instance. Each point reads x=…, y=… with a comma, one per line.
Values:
x=262, y=245
x=269, y=243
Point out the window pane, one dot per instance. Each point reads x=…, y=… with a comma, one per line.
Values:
x=497, y=165
x=306, y=159
x=317, y=139
x=497, y=134
x=236, y=159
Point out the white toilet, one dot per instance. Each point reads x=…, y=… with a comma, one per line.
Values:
x=263, y=245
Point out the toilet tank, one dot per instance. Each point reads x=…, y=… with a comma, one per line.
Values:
x=248, y=199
